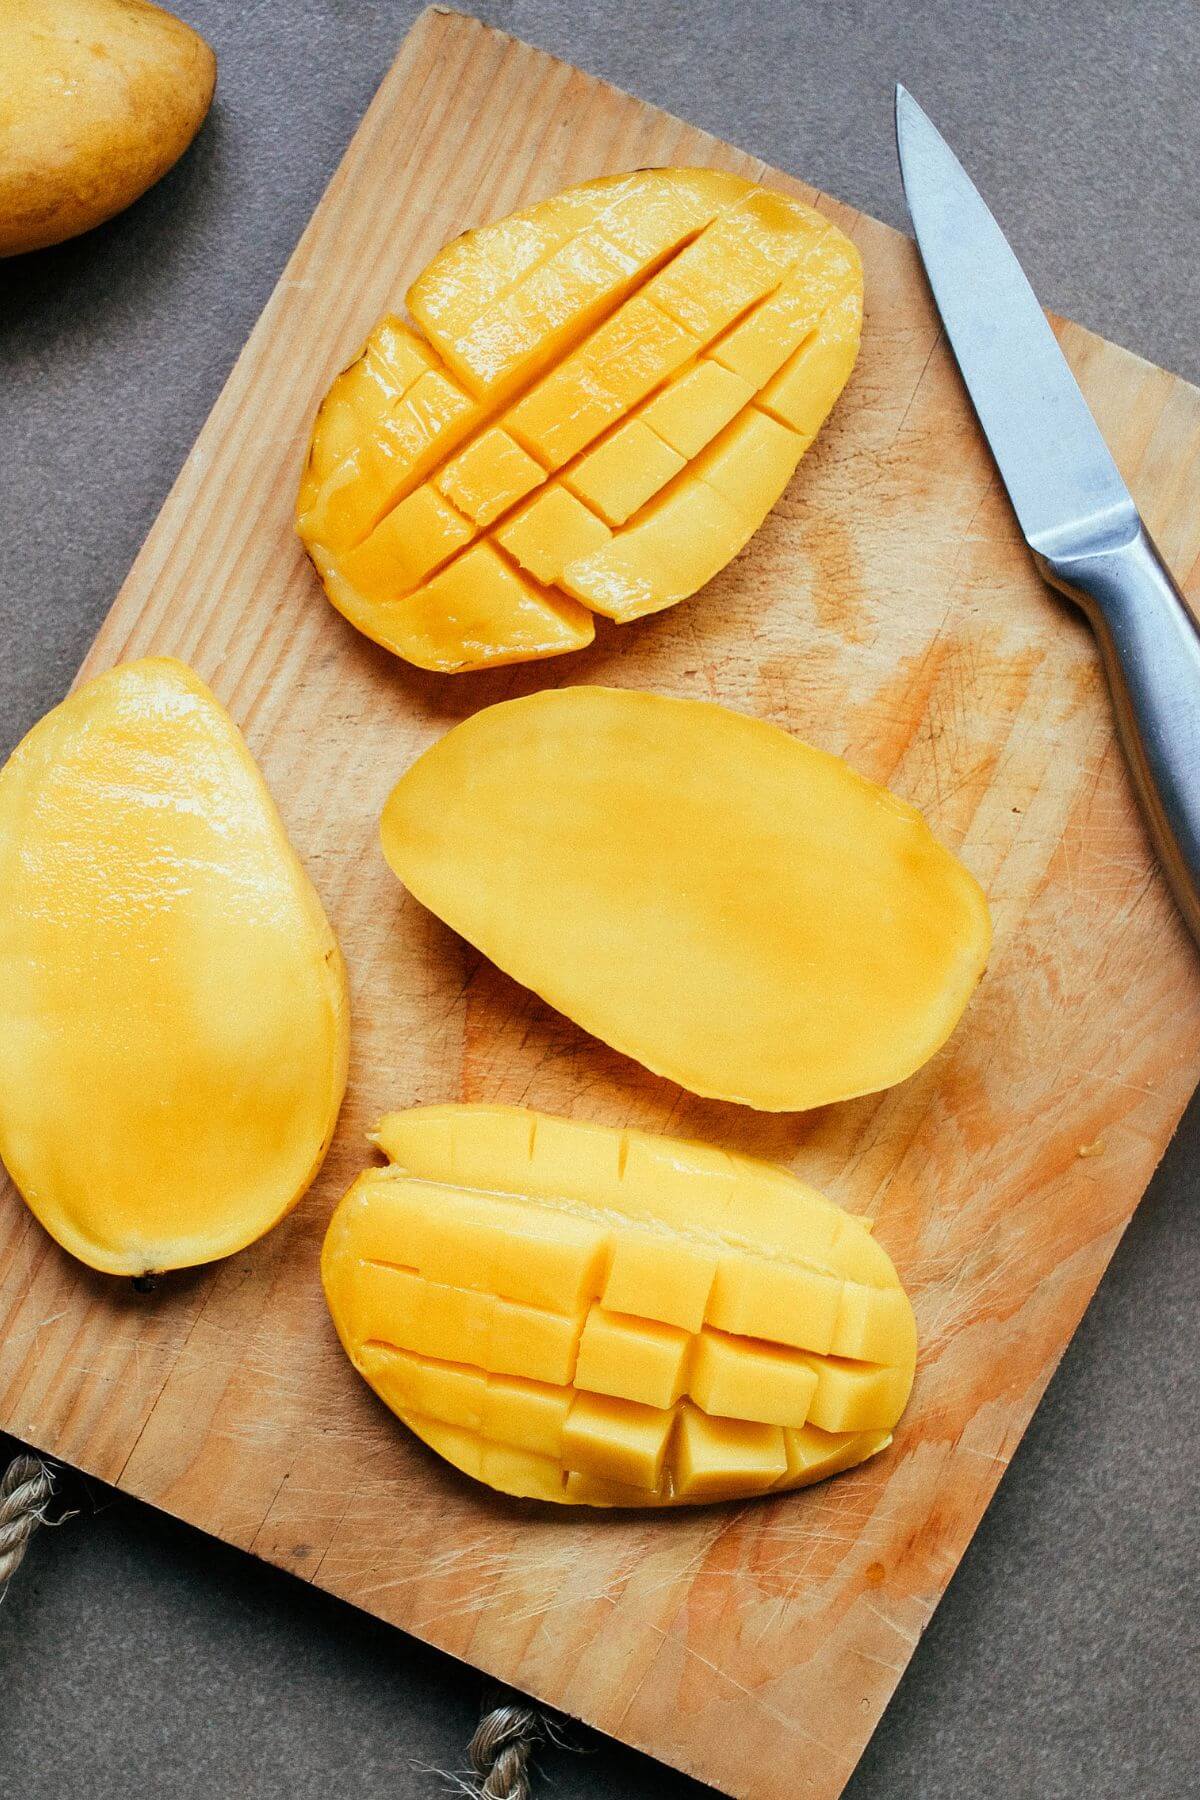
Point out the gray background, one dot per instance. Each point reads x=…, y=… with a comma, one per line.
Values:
x=135, y=1655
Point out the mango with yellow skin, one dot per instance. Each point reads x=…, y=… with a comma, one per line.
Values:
x=606, y=395
x=173, y=1006
x=588, y=1316
x=98, y=99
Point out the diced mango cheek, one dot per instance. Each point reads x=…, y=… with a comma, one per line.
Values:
x=608, y=336
x=562, y=1293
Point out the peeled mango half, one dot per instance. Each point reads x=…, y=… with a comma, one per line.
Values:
x=606, y=395
x=173, y=1010
x=742, y=913
x=578, y=1314
x=98, y=98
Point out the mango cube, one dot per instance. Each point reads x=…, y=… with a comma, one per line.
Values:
x=623, y=472
x=617, y=1440
x=409, y=543
x=759, y=1296
x=552, y=531
x=750, y=463
x=631, y=1359
x=718, y=1459
x=743, y=1379
x=491, y=474
x=688, y=413
x=529, y=1414
x=673, y=549
x=661, y=1277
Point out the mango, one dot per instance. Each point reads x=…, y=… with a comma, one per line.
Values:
x=100, y=99
x=583, y=1315
x=605, y=396
x=738, y=911
x=173, y=1008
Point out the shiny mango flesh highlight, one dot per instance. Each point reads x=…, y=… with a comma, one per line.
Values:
x=578, y=1314
x=738, y=911
x=173, y=1008
x=605, y=396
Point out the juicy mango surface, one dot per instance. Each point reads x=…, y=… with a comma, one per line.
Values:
x=173, y=1009
x=606, y=395
x=578, y=1314
x=740, y=912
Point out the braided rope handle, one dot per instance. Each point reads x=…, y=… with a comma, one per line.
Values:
x=508, y=1732
x=25, y=1489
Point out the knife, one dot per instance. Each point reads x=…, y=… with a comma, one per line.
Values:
x=1076, y=514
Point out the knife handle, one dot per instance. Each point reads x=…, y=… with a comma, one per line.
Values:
x=1150, y=645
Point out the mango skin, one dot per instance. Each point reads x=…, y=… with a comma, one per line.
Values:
x=589, y=1316
x=98, y=99
x=174, y=1021
x=742, y=913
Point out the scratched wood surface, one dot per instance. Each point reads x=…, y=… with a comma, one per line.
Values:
x=888, y=611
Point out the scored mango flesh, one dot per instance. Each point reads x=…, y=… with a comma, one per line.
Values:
x=612, y=390
x=573, y=1313
x=743, y=913
x=173, y=1006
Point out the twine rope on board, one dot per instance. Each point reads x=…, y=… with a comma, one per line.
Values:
x=25, y=1489
x=508, y=1732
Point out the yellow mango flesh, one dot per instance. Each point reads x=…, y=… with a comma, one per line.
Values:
x=740, y=912
x=173, y=1009
x=588, y=369
x=577, y=1314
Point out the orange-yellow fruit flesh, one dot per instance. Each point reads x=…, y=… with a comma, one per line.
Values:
x=472, y=1282
x=173, y=1007
x=450, y=622
x=743, y=913
x=605, y=338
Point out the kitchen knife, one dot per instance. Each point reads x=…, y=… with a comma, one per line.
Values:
x=1076, y=513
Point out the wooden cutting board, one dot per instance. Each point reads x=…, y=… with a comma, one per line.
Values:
x=887, y=610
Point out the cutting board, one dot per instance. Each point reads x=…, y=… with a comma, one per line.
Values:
x=888, y=611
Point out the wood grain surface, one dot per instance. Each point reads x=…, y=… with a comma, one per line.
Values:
x=888, y=611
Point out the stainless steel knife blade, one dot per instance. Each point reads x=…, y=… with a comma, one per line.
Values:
x=1078, y=516
x=1064, y=486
